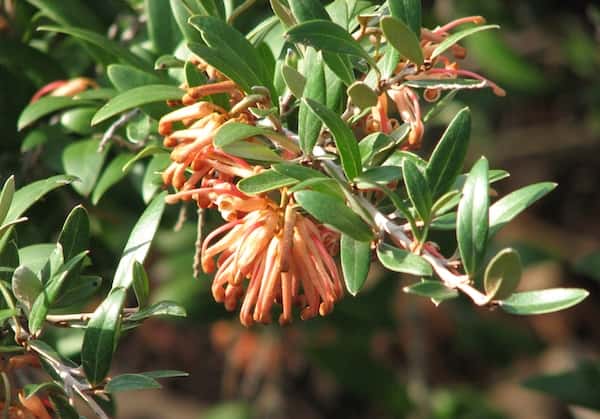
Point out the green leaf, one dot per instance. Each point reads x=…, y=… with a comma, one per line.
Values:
x=83, y=160
x=28, y=195
x=544, y=301
x=46, y=106
x=340, y=65
x=162, y=28
x=362, y=95
x=136, y=97
x=252, y=151
x=334, y=212
x=293, y=80
x=110, y=176
x=327, y=36
x=457, y=36
x=417, y=189
x=131, y=382
x=26, y=286
x=168, y=61
x=164, y=308
x=304, y=10
x=502, y=275
x=233, y=48
x=126, y=77
x=578, y=387
x=36, y=255
x=227, y=62
x=400, y=260
x=100, y=337
x=447, y=159
x=6, y=314
x=141, y=284
x=507, y=208
x=383, y=175
x=402, y=38
x=69, y=13
x=472, y=218
x=431, y=289
x=75, y=234
x=152, y=181
x=372, y=147
x=307, y=175
x=265, y=181
x=142, y=154
x=309, y=124
x=48, y=387
x=113, y=48
x=78, y=292
x=409, y=11
x=182, y=12
x=78, y=120
x=356, y=260
x=233, y=132
x=342, y=134
x=446, y=84
x=6, y=197
x=165, y=374
x=139, y=241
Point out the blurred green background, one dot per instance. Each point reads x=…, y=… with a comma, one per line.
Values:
x=382, y=354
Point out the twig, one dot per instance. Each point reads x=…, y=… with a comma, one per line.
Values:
x=109, y=134
x=239, y=10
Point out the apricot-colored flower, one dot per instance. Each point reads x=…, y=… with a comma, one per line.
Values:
x=64, y=88
x=284, y=259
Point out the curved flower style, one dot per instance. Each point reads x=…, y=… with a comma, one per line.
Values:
x=64, y=88
x=284, y=259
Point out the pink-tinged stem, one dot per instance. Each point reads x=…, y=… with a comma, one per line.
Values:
x=478, y=20
x=43, y=91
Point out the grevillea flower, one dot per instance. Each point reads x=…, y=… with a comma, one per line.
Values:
x=64, y=88
x=284, y=259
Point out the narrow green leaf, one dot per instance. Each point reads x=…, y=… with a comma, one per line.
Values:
x=162, y=28
x=507, y=208
x=139, y=241
x=131, y=382
x=152, y=181
x=46, y=106
x=75, y=234
x=431, y=289
x=78, y=292
x=282, y=12
x=327, y=36
x=78, y=120
x=447, y=159
x=141, y=284
x=232, y=44
x=304, y=10
x=502, y=275
x=147, y=151
x=417, y=189
x=293, y=80
x=344, y=138
x=334, y=212
x=309, y=124
x=69, y=13
x=125, y=77
x=28, y=195
x=6, y=197
x=457, y=36
x=165, y=374
x=182, y=12
x=544, y=301
x=252, y=151
x=110, y=176
x=472, y=218
x=372, y=147
x=136, y=97
x=362, y=95
x=400, y=260
x=402, y=38
x=409, y=11
x=164, y=308
x=100, y=337
x=83, y=160
x=356, y=260
x=233, y=132
x=113, y=48
x=340, y=65
x=47, y=387
x=383, y=175
x=265, y=181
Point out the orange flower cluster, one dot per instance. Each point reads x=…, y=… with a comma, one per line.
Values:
x=440, y=68
x=268, y=254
